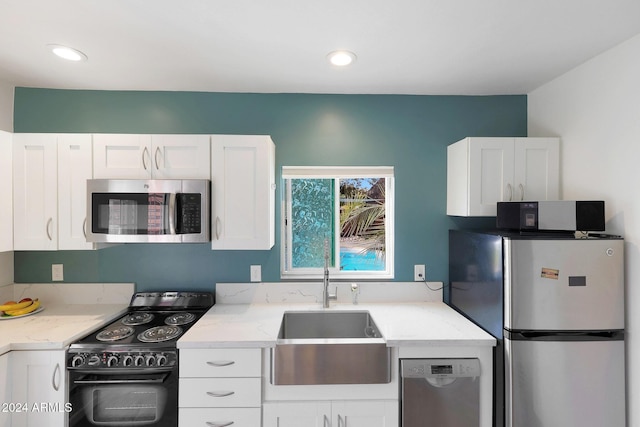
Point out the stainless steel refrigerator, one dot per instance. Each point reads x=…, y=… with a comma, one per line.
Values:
x=555, y=303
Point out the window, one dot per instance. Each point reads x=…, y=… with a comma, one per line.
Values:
x=339, y=215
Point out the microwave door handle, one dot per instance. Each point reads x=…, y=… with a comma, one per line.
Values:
x=172, y=213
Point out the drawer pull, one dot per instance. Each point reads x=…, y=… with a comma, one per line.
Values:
x=221, y=363
x=222, y=424
x=220, y=393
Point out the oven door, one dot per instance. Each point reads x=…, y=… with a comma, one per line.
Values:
x=123, y=399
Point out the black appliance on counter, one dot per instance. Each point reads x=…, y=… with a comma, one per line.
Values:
x=126, y=373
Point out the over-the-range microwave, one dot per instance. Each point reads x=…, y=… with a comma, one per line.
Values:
x=147, y=211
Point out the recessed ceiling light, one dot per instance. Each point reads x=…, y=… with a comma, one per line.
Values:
x=341, y=58
x=67, y=53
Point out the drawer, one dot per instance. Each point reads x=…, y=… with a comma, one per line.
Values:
x=219, y=417
x=220, y=392
x=221, y=362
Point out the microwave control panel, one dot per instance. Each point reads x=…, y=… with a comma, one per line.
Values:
x=190, y=219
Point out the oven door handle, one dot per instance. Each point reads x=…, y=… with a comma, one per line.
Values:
x=151, y=379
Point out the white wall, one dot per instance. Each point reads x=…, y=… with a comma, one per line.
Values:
x=6, y=123
x=595, y=109
x=6, y=106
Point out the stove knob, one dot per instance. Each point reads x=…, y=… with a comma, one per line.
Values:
x=150, y=360
x=94, y=360
x=161, y=360
x=127, y=360
x=112, y=361
x=77, y=360
x=138, y=360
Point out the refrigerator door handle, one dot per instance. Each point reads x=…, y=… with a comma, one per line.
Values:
x=565, y=335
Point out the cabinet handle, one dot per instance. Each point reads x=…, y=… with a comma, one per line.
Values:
x=521, y=192
x=56, y=373
x=510, y=192
x=220, y=393
x=221, y=363
x=222, y=424
x=84, y=227
x=144, y=164
x=325, y=420
x=341, y=422
x=217, y=228
x=155, y=158
x=47, y=227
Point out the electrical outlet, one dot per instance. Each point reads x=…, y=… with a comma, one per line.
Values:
x=256, y=273
x=57, y=272
x=419, y=272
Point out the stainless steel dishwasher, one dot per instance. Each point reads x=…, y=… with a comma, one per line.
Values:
x=440, y=392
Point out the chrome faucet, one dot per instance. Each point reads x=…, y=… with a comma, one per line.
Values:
x=326, y=295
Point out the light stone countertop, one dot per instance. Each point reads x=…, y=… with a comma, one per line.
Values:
x=255, y=321
x=70, y=311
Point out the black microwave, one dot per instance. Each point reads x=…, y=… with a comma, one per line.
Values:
x=148, y=211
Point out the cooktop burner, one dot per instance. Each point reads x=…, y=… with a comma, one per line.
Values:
x=182, y=318
x=139, y=318
x=153, y=320
x=115, y=333
x=160, y=334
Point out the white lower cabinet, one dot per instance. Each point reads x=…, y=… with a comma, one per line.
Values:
x=39, y=385
x=5, y=390
x=220, y=387
x=356, y=413
x=219, y=417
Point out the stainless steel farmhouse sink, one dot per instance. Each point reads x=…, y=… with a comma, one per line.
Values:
x=330, y=347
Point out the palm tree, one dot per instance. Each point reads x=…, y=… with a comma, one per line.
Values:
x=362, y=216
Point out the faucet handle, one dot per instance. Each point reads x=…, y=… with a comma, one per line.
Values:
x=355, y=290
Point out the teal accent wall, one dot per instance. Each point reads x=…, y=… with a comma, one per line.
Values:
x=410, y=133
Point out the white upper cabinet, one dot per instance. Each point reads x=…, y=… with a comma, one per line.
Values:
x=484, y=171
x=35, y=191
x=180, y=156
x=132, y=156
x=6, y=192
x=74, y=169
x=50, y=174
x=243, y=192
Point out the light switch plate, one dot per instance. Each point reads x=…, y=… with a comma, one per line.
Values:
x=256, y=273
x=57, y=272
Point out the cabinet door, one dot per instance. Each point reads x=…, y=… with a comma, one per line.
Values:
x=219, y=417
x=122, y=156
x=180, y=157
x=35, y=191
x=5, y=390
x=490, y=174
x=365, y=414
x=39, y=379
x=220, y=362
x=6, y=192
x=536, y=169
x=296, y=414
x=220, y=392
x=243, y=192
x=74, y=168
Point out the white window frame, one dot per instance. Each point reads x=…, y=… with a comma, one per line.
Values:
x=337, y=172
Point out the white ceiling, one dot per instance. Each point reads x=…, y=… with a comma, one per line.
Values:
x=467, y=47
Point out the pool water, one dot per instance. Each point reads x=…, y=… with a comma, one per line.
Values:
x=356, y=260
